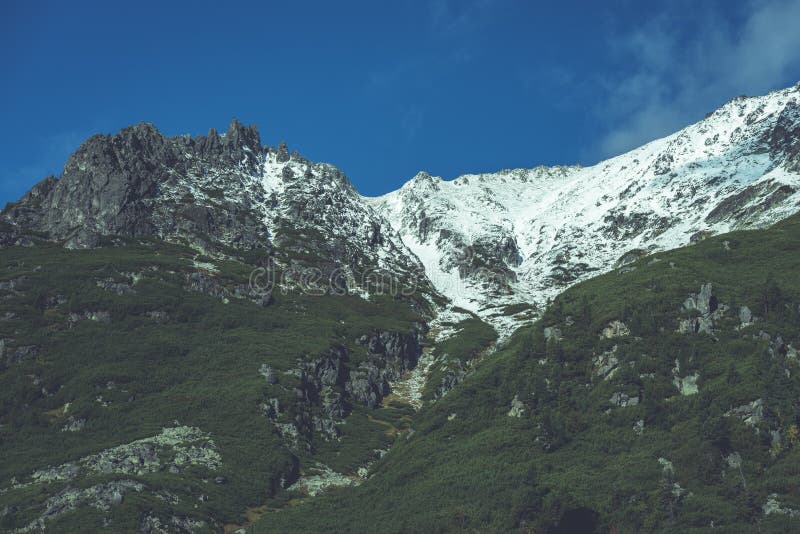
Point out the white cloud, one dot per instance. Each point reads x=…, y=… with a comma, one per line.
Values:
x=678, y=75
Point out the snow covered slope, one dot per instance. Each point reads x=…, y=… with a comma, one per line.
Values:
x=488, y=241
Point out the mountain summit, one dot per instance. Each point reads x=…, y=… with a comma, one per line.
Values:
x=521, y=236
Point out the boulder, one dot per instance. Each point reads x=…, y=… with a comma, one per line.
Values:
x=552, y=333
x=517, y=407
x=615, y=329
x=623, y=399
x=745, y=316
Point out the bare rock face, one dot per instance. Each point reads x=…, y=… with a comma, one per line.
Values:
x=217, y=192
x=709, y=308
x=140, y=183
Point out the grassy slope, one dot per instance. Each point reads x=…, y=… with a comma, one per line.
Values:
x=199, y=367
x=468, y=466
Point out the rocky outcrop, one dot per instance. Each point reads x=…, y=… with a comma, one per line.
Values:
x=119, y=288
x=402, y=349
x=552, y=333
x=100, y=496
x=517, y=407
x=98, y=316
x=330, y=385
x=751, y=413
x=615, y=329
x=746, y=317
x=707, y=308
x=207, y=284
x=606, y=364
x=623, y=399
x=139, y=183
x=455, y=372
x=369, y=383
x=102, y=480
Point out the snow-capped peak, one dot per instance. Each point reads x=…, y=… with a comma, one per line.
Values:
x=521, y=236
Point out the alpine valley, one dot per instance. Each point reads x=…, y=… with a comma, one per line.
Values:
x=205, y=334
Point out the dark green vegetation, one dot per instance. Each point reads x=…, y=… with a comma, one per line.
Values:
x=456, y=354
x=108, y=346
x=592, y=432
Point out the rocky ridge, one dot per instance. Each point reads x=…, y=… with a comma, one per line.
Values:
x=218, y=193
x=489, y=242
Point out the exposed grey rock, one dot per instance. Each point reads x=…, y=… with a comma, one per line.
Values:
x=99, y=316
x=282, y=153
x=136, y=183
x=51, y=302
x=615, y=329
x=319, y=406
x=745, y=316
x=187, y=524
x=622, y=400
x=606, y=364
x=73, y=424
x=120, y=288
x=630, y=257
x=12, y=285
x=402, y=349
x=700, y=235
x=704, y=301
x=552, y=333
x=687, y=385
x=709, y=308
x=638, y=427
x=773, y=507
x=696, y=325
x=267, y=372
x=82, y=239
x=517, y=407
x=454, y=375
x=734, y=460
x=271, y=409
x=152, y=524
x=752, y=413
x=667, y=469
x=368, y=384
x=101, y=496
x=207, y=284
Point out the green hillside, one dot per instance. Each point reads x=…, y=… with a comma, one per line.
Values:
x=626, y=408
x=135, y=381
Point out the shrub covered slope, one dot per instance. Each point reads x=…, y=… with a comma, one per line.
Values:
x=662, y=396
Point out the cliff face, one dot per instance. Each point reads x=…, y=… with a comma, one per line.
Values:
x=140, y=183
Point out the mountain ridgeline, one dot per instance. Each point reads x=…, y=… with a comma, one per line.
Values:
x=205, y=334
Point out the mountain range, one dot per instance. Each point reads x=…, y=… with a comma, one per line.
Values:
x=205, y=333
x=484, y=241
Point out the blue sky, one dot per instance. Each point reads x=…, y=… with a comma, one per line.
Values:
x=384, y=89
